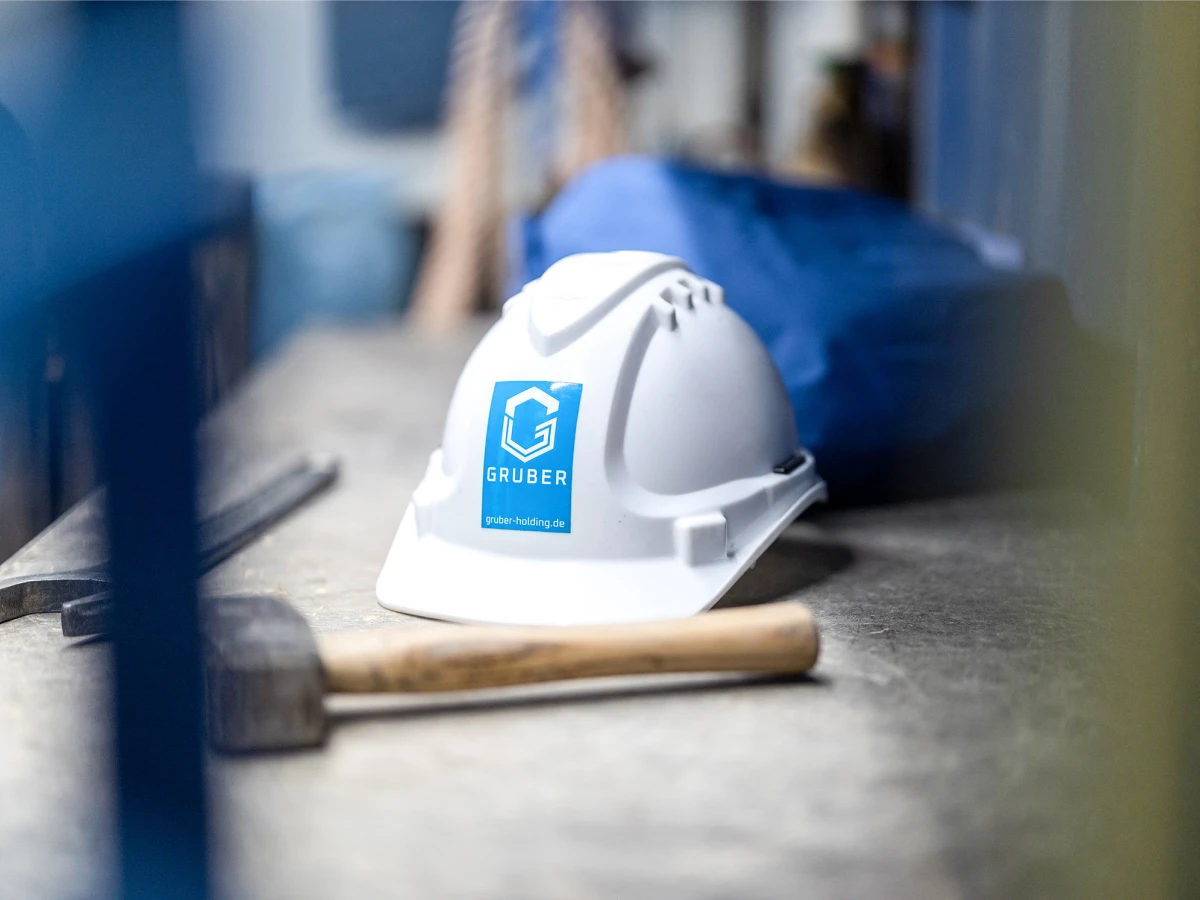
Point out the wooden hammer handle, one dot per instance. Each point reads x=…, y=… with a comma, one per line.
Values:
x=778, y=637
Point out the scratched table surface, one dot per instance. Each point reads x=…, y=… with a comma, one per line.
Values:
x=932, y=754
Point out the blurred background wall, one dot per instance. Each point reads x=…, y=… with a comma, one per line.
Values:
x=1027, y=127
x=268, y=80
x=267, y=100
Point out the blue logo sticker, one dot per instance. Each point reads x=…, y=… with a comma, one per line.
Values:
x=529, y=456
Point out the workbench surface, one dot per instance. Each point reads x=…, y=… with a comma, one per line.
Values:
x=931, y=755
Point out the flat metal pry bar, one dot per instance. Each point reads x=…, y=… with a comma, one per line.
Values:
x=25, y=595
x=84, y=596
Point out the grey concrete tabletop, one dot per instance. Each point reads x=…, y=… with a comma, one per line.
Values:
x=932, y=754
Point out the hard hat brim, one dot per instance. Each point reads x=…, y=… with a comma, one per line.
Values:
x=430, y=577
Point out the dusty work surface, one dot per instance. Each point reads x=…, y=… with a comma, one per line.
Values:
x=931, y=756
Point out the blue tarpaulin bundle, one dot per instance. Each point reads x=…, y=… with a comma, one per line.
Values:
x=892, y=335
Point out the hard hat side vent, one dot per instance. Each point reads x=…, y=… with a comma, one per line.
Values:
x=790, y=465
x=677, y=295
x=664, y=314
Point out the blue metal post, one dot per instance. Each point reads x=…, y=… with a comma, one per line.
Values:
x=121, y=191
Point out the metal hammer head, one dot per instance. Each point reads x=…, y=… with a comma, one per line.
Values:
x=263, y=680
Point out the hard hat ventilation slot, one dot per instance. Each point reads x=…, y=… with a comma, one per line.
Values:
x=677, y=295
x=664, y=314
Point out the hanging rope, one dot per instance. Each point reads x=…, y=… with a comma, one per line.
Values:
x=595, y=109
x=468, y=223
x=464, y=263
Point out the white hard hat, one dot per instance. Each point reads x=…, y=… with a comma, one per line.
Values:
x=619, y=447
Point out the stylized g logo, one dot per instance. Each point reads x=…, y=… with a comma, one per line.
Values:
x=543, y=433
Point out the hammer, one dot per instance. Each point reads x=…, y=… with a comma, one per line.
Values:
x=266, y=674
